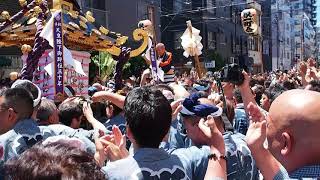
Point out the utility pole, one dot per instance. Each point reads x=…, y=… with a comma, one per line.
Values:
x=278, y=36
x=235, y=31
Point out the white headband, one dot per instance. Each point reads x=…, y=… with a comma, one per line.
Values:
x=35, y=101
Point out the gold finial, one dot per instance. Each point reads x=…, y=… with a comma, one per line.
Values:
x=83, y=24
x=74, y=14
x=5, y=15
x=16, y=25
x=56, y=5
x=25, y=49
x=83, y=19
x=23, y=3
x=95, y=31
x=38, y=2
x=90, y=17
x=121, y=40
x=104, y=30
x=37, y=10
x=74, y=25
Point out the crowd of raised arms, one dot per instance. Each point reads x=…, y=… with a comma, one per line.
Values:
x=266, y=128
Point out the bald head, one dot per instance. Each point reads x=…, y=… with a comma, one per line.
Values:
x=161, y=49
x=160, y=45
x=296, y=106
x=293, y=125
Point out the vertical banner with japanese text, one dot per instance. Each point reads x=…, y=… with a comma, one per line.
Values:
x=58, y=54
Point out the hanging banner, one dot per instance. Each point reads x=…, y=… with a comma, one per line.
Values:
x=154, y=62
x=249, y=18
x=58, y=54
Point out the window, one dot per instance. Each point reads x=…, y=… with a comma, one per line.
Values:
x=180, y=6
x=177, y=40
x=98, y=8
x=98, y=4
x=253, y=44
x=211, y=4
x=212, y=40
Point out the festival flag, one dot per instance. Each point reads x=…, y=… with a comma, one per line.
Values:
x=48, y=34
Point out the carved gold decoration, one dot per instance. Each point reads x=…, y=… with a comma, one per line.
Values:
x=25, y=49
x=139, y=35
x=74, y=25
x=74, y=14
x=5, y=15
x=37, y=10
x=56, y=5
x=121, y=40
x=104, y=30
x=98, y=33
x=114, y=50
x=4, y=34
x=23, y=3
x=83, y=24
x=16, y=26
x=83, y=19
x=89, y=17
x=13, y=35
x=38, y=2
x=32, y=21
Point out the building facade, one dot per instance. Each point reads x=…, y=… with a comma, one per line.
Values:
x=266, y=34
x=220, y=25
x=304, y=14
x=282, y=33
x=122, y=15
x=317, y=53
x=293, y=32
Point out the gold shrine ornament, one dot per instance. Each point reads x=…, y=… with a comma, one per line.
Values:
x=95, y=31
x=37, y=10
x=25, y=49
x=38, y=2
x=83, y=24
x=104, y=30
x=32, y=20
x=74, y=25
x=23, y=3
x=74, y=14
x=16, y=26
x=89, y=17
x=5, y=15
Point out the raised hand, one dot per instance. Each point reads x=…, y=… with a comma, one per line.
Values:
x=303, y=68
x=114, y=145
x=176, y=108
x=87, y=111
x=256, y=134
x=214, y=137
x=246, y=82
x=122, y=59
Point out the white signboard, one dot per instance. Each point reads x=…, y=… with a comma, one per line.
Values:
x=211, y=64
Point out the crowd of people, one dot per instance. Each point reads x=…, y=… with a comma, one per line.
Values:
x=190, y=128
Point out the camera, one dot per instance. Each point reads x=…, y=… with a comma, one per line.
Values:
x=230, y=73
